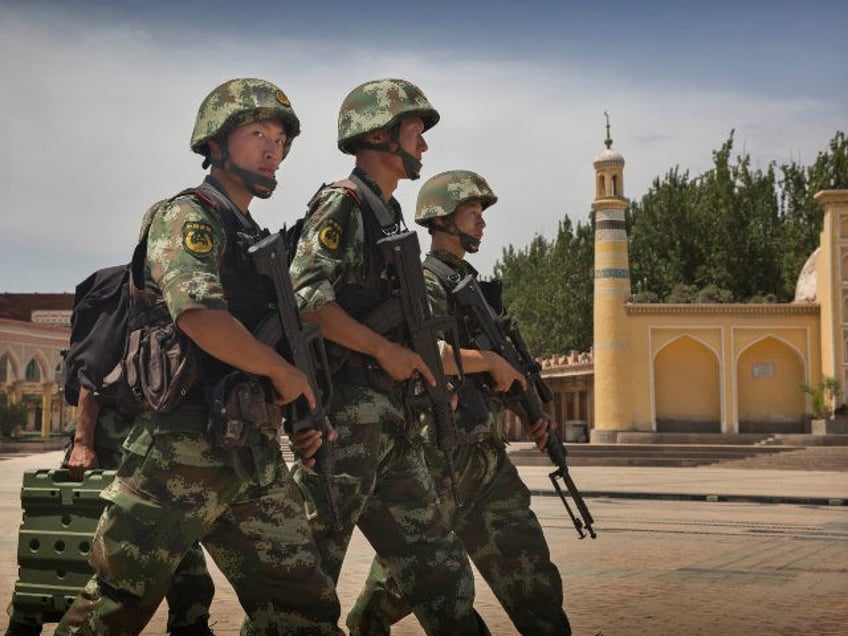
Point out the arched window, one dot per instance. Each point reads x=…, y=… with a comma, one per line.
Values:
x=33, y=374
x=4, y=368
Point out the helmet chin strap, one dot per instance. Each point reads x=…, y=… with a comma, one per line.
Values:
x=468, y=243
x=411, y=165
x=259, y=185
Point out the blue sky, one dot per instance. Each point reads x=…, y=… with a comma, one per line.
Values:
x=99, y=98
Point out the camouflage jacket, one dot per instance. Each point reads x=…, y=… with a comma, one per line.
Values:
x=471, y=426
x=333, y=250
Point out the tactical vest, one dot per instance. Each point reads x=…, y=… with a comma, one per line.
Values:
x=162, y=365
x=362, y=300
x=250, y=297
x=474, y=394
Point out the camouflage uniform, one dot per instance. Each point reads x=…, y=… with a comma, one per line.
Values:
x=192, y=589
x=176, y=486
x=495, y=523
x=380, y=479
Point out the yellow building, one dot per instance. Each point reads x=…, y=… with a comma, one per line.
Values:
x=30, y=360
x=704, y=368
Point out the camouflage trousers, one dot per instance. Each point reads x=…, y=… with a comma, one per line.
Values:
x=179, y=490
x=502, y=536
x=381, y=484
x=191, y=590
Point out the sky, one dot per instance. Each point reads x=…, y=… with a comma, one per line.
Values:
x=98, y=99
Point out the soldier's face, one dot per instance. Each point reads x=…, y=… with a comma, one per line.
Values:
x=411, y=136
x=468, y=218
x=258, y=146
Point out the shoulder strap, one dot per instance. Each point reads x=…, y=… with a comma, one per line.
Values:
x=446, y=275
x=213, y=199
x=385, y=217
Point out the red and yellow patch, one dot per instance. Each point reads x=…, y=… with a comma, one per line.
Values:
x=331, y=235
x=197, y=238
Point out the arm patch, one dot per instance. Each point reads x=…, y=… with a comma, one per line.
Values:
x=334, y=219
x=197, y=238
x=330, y=234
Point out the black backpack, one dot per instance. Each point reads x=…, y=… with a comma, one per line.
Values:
x=100, y=321
x=98, y=332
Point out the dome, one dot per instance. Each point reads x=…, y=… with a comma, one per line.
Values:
x=609, y=156
x=805, y=289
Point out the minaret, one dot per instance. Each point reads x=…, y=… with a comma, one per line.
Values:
x=832, y=286
x=611, y=347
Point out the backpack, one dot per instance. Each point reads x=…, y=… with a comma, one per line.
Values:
x=98, y=331
x=100, y=328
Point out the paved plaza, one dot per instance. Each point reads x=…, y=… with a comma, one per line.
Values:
x=706, y=550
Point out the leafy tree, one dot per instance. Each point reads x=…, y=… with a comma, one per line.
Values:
x=731, y=234
x=800, y=215
x=12, y=416
x=548, y=288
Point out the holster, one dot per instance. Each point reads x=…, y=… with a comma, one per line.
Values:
x=238, y=404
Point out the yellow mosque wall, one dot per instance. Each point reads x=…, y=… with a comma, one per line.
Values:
x=721, y=368
x=709, y=368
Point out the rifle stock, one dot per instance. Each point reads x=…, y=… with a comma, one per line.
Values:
x=502, y=336
x=301, y=345
x=402, y=255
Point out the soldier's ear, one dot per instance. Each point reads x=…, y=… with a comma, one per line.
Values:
x=214, y=149
x=377, y=137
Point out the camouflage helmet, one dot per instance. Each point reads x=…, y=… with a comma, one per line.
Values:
x=241, y=101
x=380, y=104
x=442, y=194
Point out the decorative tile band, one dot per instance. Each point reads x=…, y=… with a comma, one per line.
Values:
x=612, y=272
x=610, y=224
x=608, y=214
x=610, y=235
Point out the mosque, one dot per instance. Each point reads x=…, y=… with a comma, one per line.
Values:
x=702, y=368
x=653, y=368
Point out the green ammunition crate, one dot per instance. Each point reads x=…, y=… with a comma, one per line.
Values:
x=59, y=519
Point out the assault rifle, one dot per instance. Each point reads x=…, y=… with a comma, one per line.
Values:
x=402, y=255
x=301, y=345
x=502, y=336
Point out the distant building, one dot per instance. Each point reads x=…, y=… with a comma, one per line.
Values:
x=34, y=329
x=701, y=368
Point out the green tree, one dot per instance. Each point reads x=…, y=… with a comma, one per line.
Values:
x=548, y=288
x=12, y=416
x=731, y=234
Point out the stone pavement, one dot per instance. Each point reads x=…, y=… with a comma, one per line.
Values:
x=679, y=551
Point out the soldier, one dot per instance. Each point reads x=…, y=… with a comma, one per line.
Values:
x=178, y=482
x=380, y=480
x=495, y=522
x=101, y=426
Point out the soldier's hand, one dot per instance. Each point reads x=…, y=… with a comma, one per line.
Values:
x=504, y=375
x=306, y=443
x=401, y=363
x=82, y=458
x=538, y=432
x=290, y=383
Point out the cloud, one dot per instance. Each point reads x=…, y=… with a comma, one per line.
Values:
x=98, y=117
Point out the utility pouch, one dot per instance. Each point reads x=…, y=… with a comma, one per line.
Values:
x=161, y=364
x=240, y=403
